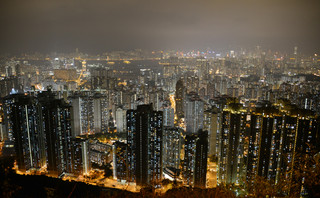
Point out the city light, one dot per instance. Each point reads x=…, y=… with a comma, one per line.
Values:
x=159, y=99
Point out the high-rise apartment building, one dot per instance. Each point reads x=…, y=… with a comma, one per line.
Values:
x=145, y=128
x=56, y=122
x=211, y=123
x=168, y=116
x=231, y=145
x=41, y=128
x=179, y=98
x=172, y=144
x=194, y=113
x=29, y=141
x=121, y=119
x=195, y=159
x=276, y=137
x=265, y=141
x=120, y=170
x=80, y=156
x=90, y=113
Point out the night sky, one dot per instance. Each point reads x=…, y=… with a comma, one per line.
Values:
x=97, y=26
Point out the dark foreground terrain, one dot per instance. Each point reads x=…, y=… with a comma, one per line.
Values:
x=15, y=185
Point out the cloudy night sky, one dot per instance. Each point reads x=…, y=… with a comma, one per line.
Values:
x=97, y=26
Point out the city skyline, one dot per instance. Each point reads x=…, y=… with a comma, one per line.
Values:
x=142, y=98
x=164, y=119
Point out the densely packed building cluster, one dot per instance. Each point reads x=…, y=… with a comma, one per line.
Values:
x=162, y=115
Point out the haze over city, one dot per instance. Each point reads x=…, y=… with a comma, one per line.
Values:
x=97, y=26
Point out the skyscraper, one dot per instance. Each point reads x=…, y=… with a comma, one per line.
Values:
x=80, y=156
x=120, y=168
x=172, y=144
x=29, y=141
x=211, y=123
x=195, y=159
x=7, y=111
x=90, y=113
x=56, y=121
x=168, y=116
x=41, y=127
x=100, y=113
x=231, y=145
x=276, y=135
x=121, y=119
x=201, y=160
x=145, y=129
x=179, y=97
x=194, y=113
x=131, y=139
